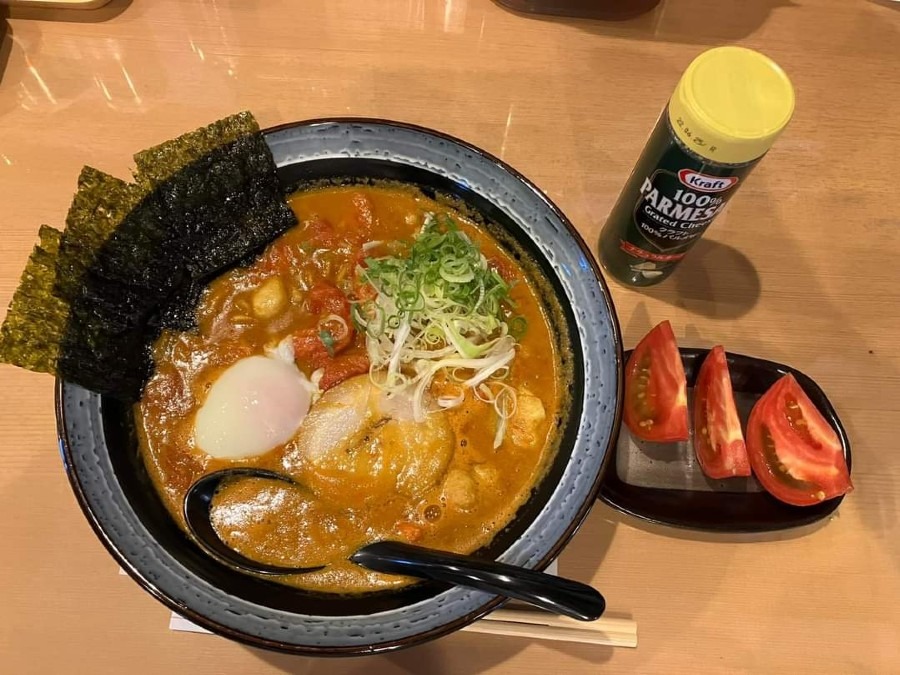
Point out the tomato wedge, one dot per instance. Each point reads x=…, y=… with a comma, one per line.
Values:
x=656, y=389
x=794, y=452
x=718, y=440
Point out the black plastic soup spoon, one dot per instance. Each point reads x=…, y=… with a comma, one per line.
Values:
x=555, y=594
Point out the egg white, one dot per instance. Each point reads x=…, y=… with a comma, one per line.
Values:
x=255, y=405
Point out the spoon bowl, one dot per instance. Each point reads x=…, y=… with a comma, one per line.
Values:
x=555, y=594
x=197, y=514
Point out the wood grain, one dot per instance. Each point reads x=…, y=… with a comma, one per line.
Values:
x=801, y=269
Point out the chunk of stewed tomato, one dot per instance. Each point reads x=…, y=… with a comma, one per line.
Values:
x=325, y=299
x=342, y=368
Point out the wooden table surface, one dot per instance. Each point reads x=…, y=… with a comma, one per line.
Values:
x=801, y=269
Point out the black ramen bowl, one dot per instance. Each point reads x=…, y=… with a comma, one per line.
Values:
x=105, y=468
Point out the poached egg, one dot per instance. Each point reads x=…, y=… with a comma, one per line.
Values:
x=254, y=406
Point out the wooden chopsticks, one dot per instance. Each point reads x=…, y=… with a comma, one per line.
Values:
x=539, y=625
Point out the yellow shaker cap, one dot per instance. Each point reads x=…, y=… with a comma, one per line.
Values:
x=731, y=104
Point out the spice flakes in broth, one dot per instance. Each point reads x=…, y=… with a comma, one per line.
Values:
x=369, y=464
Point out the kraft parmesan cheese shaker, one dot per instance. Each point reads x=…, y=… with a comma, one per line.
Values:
x=726, y=112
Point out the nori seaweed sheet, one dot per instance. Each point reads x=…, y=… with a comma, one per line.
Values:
x=225, y=205
x=135, y=258
x=101, y=202
x=159, y=163
x=179, y=312
x=34, y=325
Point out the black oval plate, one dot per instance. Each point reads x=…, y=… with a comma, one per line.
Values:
x=663, y=483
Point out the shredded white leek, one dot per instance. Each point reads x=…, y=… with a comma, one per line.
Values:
x=439, y=308
x=329, y=321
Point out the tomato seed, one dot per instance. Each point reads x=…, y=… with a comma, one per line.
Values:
x=798, y=423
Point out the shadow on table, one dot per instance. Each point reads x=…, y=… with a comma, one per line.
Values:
x=685, y=21
x=715, y=280
x=725, y=537
x=583, y=556
x=109, y=11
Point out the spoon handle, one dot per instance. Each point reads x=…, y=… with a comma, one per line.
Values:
x=555, y=594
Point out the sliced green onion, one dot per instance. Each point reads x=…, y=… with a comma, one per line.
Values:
x=439, y=307
x=517, y=327
x=328, y=340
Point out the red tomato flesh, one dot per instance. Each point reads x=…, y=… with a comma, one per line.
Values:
x=343, y=367
x=325, y=298
x=656, y=388
x=321, y=347
x=718, y=440
x=795, y=454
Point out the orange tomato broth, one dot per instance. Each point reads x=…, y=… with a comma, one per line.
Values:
x=278, y=523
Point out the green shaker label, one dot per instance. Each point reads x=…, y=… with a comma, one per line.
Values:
x=671, y=211
x=670, y=199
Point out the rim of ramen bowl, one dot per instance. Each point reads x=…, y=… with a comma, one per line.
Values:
x=86, y=455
